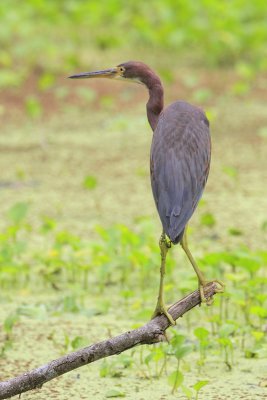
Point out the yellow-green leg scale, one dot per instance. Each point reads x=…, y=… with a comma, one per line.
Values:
x=161, y=308
x=201, y=279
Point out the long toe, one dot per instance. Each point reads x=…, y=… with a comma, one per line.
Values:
x=205, y=299
x=220, y=286
x=163, y=310
x=219, y=289
x=168, y=315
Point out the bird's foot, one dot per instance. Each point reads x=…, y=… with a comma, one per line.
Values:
x=164, y=241
x=219, y=289
x=162, y=309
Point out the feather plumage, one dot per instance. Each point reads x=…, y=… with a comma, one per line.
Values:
x=180, y=160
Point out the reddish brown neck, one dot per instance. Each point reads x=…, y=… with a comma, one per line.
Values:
x=154, y=105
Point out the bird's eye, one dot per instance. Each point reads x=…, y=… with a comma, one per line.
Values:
x=122, y=69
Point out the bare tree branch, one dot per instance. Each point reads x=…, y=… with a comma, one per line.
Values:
x=152, y=332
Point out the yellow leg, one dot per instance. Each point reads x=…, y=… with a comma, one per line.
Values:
x=201, y=279
x=161, y=307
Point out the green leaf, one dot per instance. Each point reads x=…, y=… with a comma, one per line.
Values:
x=70, y=304
x=18, y=212
x=259, y=311
x=90, y=182
x=33, y=311
x=149, y=358
x=225, y=342
x=177, y=340
x=33, y=107
x=48, y=224
x=207, y=219
x=78, y=342
x=104, y=369
x=240, y=88
x=175, y=379
x=202, y=95
x=226, y=330
x=46, y=81
x=114, y=393
x=258, y=335
x=9, y=78
x=10, y=322
x=230, y=171
x=248, y=261
x=182, y=352
x=158, y=354
x=201, y=333
x=245, y=70
x=199, y=385
x=187, y=392
x=235, y=232
x=252, y=353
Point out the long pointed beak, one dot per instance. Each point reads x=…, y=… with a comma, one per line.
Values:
x=106, y=73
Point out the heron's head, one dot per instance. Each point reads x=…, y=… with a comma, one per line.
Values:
x=131, y=71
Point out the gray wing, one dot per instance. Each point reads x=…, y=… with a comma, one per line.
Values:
x=180, y=160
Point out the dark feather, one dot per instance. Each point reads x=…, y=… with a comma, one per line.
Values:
x=180, y=160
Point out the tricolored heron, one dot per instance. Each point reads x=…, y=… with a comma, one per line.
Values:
x=179, y=163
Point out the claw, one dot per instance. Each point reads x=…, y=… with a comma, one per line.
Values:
x=161, y=309
x=219, y=289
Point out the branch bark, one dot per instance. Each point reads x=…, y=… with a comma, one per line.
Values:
x=151, y=332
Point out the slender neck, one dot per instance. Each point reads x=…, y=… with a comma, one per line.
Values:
x=154, y=105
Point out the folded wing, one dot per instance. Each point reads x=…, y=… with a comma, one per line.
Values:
x=180, y=159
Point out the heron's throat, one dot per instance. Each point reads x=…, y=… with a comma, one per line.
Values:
x=155, y=103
